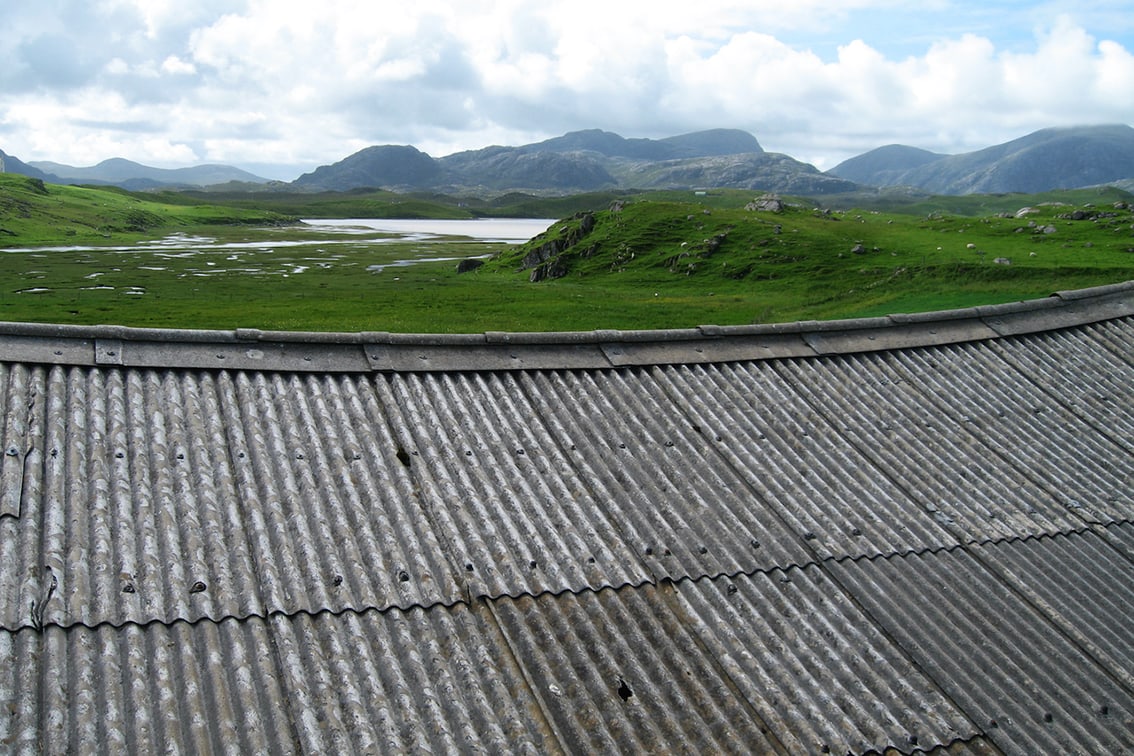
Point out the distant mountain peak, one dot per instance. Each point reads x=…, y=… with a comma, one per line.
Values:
x=1066, y=157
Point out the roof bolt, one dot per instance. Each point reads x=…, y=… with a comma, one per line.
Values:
x=12, y=451
x=128, y=588
x=732, y=588
x=119, y=455
x=754, y=543
x=704, y=550
x=809, y=536
x=1047, y=717
x=590, y=560
x=198, y=587
x=338, y=580
x=469, y=567
x=533, y=564
x=912, y=739
x=403, y=576
x=649, y=551
x=1104, y=710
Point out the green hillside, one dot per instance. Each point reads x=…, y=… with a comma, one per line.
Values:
x=35, y=213
x=806, y=262
x=651, y=260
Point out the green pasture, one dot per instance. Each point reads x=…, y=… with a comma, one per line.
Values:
x=103, y=256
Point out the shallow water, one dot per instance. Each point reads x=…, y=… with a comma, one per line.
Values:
x=179, y=245
x=372, y=244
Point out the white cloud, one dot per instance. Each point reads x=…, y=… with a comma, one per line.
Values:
x=175, y=65
x=301, y=83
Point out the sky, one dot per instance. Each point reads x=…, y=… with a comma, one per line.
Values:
x=279, y=87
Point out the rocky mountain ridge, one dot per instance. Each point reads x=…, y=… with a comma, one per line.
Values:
x=1058, y=158
x=592, y=159
x=582, y=161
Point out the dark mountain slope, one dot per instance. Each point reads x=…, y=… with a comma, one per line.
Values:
x=697, y=144
x=127, y=173
x=1061, y=158
x=714, y=142
x=505, y=168
x=763, y=171
x=13, y=164
x=884, y=166
x=582, y=161
x=385, y=166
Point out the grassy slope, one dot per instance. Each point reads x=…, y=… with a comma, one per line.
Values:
x=636, y=274
x=801, y=263
x=34, y=213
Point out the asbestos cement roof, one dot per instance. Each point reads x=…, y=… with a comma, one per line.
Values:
x=890, y=535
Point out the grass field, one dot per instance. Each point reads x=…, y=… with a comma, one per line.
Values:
x=89, y=256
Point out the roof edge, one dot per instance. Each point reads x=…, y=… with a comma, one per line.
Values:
x=251, y=348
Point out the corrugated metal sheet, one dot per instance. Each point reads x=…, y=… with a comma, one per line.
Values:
x=1093, y=607
x=182, y=495
x=814, y=478
x=1073, y=370
x=1031, y=434
x=369, y=682
x=818, y=671
x=1027, y=685
x=502, y=491
x=619, y=672
x=890, y=412
x=659, y=478
x=880, y=552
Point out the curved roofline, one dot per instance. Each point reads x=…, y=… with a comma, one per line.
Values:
x=305, y=351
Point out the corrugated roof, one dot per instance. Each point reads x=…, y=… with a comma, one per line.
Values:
x=897, y=534
x=1030, y=687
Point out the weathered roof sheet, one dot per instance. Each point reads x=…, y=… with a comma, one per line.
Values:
x=895, y=534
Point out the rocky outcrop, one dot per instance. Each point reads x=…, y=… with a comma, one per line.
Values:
x=550, y=259
x=469, y=264
x=767, y=203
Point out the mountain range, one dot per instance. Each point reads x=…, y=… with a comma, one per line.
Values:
x=1063, y=158
x=581, y=161
x=1057, y=158
x=137, y=177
